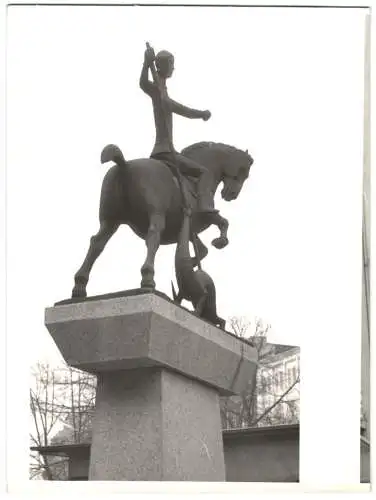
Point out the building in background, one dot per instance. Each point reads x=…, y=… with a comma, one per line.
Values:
x=251, y=455
x=275, y=398
x=279, y=382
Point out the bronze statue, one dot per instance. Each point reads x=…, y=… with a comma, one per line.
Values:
x=149, y=194
x=194, y=286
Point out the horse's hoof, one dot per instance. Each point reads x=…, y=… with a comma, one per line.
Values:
x=220, y=242
x=147, y=273
x=148, y=284
x=79, y=291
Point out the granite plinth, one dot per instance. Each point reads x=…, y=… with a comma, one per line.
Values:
x=147, y=330
x=156, y=425
x=160, y=372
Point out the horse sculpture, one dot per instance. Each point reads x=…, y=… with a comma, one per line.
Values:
x=144, y=194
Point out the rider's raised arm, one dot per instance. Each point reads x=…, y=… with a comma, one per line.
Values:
x=146, y=85
x=179, y=109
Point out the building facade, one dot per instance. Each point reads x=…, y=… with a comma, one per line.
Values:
x=279, y=382
x=275, y=399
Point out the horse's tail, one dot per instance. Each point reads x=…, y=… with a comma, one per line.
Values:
x=113, y=153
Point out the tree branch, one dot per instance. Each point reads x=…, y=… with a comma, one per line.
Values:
x=268, y=410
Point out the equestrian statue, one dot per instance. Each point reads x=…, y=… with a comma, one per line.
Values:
x=154, y=195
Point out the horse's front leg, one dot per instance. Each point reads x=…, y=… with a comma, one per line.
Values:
x=153, y=238
x=222, y=225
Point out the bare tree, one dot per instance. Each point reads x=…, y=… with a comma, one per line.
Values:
x=61, y=406
x=46, y=417
x=272, y=396
x=77, y=406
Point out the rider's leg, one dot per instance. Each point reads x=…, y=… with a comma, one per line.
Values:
x=187, y=166
x=164, y=157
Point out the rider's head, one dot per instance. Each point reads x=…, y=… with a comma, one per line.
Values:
x=164, y=63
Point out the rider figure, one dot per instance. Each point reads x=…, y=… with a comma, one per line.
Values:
x=164, y=107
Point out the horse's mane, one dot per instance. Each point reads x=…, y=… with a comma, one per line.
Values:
x=206, y=144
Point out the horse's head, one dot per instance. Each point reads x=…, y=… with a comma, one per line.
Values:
x=227, y=164
x=235, y=171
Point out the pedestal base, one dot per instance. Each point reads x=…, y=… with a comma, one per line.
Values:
x=160, y=373
x=156, y=425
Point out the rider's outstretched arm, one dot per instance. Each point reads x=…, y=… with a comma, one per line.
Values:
x=146, y=85
x=181, y=110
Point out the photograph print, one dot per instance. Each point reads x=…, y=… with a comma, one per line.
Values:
x=177, y=167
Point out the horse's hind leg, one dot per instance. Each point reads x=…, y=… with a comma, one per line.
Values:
x=97, y=244
x=152, y=240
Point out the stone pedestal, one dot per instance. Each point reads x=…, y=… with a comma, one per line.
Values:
x=160, y=373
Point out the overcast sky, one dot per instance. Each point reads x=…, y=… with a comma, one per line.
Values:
x=280, y=86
